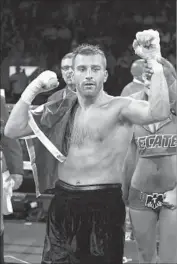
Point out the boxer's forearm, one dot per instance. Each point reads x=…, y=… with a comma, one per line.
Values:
x=171, y=78
x=159, y=106
x=17, y=124
x=13, y=155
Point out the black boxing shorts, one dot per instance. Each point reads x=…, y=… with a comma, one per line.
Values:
x=85, y=225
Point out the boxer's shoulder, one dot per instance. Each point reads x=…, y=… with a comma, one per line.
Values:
x=137, y=95
x=117, y=101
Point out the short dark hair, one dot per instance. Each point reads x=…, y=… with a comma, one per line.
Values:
x=88, y=49
x=69, y=55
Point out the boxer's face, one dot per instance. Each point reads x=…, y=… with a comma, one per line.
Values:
x=89, y=74
x=67, y=71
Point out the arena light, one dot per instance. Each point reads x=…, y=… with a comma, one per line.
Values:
x=29, y=70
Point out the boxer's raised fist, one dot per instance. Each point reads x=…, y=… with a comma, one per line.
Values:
x=152, y=66
x=47, y=80
x=147, y=44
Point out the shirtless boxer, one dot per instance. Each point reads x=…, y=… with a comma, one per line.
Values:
x=88, y=196
x=149, y=186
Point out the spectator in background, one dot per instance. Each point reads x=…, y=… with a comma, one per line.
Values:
x=67, y=73
x=149, y=20
x=137, y=83
x=172, y=58
x=111, y=62
x=162, y=17
x=11, y=166
x=123, y=69
x=18, y=82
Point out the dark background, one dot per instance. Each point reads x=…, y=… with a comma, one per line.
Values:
x=40, y=33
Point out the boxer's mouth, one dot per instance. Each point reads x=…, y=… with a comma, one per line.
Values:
x=89, y=84
x=69, y=76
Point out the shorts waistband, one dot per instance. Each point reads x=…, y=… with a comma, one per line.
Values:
x=70, y=187
x=141, y=200
x=142, y=195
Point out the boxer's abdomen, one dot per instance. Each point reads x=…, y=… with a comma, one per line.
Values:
x=155, y=174
x=95, y=161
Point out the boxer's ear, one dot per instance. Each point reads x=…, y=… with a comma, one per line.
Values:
x=105, y=75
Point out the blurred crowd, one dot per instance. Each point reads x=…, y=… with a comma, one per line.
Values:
x=113, y=25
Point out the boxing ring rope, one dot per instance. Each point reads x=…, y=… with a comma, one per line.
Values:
x=27, y=165
x=2, y=93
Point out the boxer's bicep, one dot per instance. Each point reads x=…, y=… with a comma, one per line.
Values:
x=137, y=112
x=27, y=131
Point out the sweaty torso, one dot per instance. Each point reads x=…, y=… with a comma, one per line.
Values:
x=156, y=169
x=98, y=147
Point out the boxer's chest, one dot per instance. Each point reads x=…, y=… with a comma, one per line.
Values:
x=93, y=124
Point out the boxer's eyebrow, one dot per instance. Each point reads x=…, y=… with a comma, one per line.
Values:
x=96, y=66
x=92, y=66
x=66, y=67
x=81, y=67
